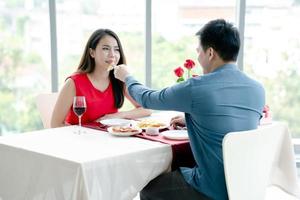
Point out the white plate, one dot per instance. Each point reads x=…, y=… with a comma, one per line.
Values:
x=115, y=122
x=176, y=134
x=110, y=130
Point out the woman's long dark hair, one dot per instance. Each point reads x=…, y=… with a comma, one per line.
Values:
x=87, y=63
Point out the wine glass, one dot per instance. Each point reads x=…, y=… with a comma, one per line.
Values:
x=79, y=108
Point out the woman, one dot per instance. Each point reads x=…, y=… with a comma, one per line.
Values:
x=95, y=80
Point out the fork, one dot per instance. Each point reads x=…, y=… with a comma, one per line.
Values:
x=177, y=127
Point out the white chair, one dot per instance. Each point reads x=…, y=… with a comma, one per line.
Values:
x=260, y=164
x=45, y=104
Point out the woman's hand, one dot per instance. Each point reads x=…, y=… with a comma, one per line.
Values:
x=177, y=121
x=111, y=116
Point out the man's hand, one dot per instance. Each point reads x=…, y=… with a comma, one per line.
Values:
x=121, y=72
x=177, y=121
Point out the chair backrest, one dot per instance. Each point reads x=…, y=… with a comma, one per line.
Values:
x=45, y=104
x=251, y=158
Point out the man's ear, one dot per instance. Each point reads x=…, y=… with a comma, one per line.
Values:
x=211, y=53
x=92, y=52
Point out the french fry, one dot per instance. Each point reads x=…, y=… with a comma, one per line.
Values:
x=110, y=67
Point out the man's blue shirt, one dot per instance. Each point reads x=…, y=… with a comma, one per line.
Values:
x=214, y=104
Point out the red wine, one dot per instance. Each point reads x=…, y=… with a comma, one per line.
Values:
x=79, y=110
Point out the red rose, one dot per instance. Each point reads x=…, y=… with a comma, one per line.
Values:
x=266, y=108
x=189, y=64
x=266, y=111
x=179, y=71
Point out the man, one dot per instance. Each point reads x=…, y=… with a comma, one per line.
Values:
x=220, y=101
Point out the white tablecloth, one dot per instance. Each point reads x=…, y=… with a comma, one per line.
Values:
x=56, y=164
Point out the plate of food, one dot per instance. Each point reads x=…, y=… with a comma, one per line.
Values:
x=116, y=122
x=176, y=134
x=150, y=123
x=124, y=130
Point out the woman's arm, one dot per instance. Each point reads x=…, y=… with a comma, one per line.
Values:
x=63, y=104
x=136, y=112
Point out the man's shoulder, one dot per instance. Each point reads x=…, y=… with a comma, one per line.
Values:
x=251, y=79
x=228, y=76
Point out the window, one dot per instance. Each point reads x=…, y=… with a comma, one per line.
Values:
x=175, y=24
x=271, y=47
x=271, y=55
x=76, y=21
x=24, y=63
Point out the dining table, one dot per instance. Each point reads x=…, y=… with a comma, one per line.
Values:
x=63, y=164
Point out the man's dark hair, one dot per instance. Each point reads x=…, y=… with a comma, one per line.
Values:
x=222, y=36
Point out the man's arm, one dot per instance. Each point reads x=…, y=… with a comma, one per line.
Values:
x=176, y=97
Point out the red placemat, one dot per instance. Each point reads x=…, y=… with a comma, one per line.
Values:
x=96, y=125
x=161, y=138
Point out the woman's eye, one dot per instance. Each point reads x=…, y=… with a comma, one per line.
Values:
x=105, y=48
x=117, y=50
